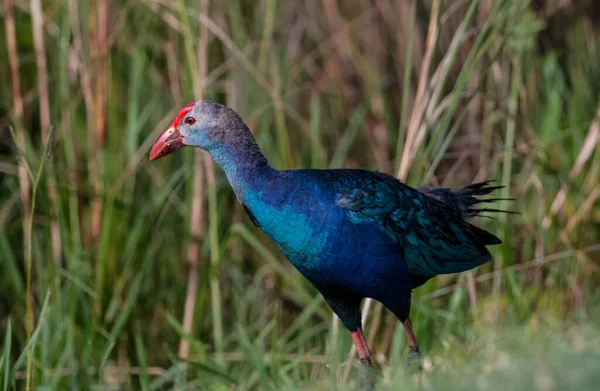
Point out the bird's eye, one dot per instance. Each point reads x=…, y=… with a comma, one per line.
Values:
x=190, y=120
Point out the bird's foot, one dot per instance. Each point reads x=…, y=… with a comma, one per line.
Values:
x=366, y=361
x=414, y=360
x=368, y=374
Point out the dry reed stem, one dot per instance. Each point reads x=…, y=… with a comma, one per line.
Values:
x=172, y=69
x=88, y=99
x=197, y=228
x=412, y=139
x=435, y=83
x=98, y=86
x=472, y=290
x=44, y=99
x=585, y=211
x=193, y=255
x=100, y=54
x=335, y=329
x=24, y=184
x=197, y=225
x=40, y=58
x=24, y=180
x=375, y=323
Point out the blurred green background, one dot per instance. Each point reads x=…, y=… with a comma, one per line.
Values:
x=118, y=274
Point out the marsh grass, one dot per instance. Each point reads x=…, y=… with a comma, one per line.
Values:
x=161, y=282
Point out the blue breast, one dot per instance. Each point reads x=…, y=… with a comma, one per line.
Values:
x=289, y=225
x=320, y=239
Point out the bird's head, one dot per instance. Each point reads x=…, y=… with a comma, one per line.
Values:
x=202, y=124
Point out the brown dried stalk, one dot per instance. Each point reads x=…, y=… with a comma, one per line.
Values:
x=420, y=101
x=197, y=219
x=88, y=99
x=97, y=134
x=172, y=67
x=193, y=255
x=40, y=59
x=11, y=41
x=101, y=70
x=24, y=181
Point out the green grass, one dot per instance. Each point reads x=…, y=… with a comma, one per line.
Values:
x=511, y=93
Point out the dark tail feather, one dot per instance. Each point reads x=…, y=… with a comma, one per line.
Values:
x=484, y=237
x=465, y=200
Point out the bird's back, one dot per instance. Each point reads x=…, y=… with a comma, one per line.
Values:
x=433, y=235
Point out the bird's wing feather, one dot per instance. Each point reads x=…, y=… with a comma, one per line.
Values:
x=434, y=238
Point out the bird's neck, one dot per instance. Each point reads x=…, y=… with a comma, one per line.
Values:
x=243, y=162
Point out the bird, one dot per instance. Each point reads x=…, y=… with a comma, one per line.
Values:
x=354, y=234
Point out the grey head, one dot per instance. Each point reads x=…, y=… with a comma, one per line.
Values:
x=208, y=125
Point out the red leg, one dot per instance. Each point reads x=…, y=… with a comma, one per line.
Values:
x=367, y=382
x=413, y=352
x=361, y=347
x=410, y=335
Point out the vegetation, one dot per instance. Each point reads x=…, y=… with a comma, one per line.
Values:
x=120, y=274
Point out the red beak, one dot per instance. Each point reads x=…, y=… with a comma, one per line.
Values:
x=169, y=141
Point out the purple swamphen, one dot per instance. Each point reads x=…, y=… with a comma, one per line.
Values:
x=352, y=233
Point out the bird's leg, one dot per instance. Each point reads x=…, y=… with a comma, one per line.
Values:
x=413, y=352
x=367, y=382
x=361, y=347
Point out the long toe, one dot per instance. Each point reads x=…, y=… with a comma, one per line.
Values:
x=368, y=377
x=414, y=360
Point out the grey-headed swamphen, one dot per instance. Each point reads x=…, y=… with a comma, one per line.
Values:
x=352, y=233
